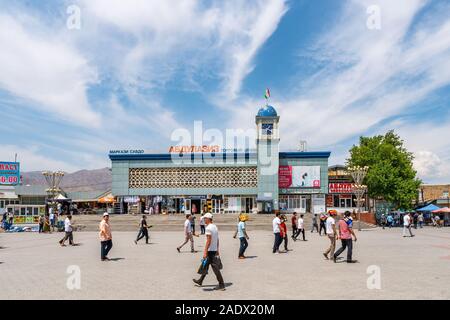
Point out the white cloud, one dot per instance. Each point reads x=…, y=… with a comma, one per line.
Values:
x=34, y=159
x=45, y=71
x=430, y=166
x=367, y=76
x=220, y=39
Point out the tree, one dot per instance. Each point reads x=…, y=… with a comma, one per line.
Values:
x=391, y=175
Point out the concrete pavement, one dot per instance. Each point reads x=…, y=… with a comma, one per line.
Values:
x=34, y=266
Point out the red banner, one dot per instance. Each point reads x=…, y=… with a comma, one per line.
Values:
x=340, y=187
x=284, y=176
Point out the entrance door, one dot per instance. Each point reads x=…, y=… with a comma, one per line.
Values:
x=187, y=206
x=195, y=206
x=216, y=205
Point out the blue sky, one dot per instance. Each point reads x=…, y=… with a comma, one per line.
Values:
x=138, y=70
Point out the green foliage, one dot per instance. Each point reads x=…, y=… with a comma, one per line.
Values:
x=391, y=175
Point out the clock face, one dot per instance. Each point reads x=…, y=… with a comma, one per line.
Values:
x=267, y=128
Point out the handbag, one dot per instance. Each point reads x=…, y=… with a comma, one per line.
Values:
x=202, y=269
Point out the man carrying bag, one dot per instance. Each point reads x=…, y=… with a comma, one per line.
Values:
x=211, y=254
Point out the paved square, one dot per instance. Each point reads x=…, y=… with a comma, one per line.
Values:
x=34, y=266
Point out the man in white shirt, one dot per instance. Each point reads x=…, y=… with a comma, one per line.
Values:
x=187, y=234
x=407, y=224
x=330, y=229
x=276, y=231
x=68, y=229
x=300, y=228
x=211, y=253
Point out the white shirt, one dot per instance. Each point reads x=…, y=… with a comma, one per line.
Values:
x=406, y=220
x=202, y=221
x=329, y=223
x=52, y=216
x=67, y=225
x=276, y=225
x=300, y=223
x=212, y=231
x=187, y=226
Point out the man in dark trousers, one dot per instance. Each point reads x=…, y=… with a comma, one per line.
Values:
x=211, y=253
x=143, y=230
x=294, y=225
x=276, y=222
x=345, y=234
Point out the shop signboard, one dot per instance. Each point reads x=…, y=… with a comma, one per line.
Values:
x=340, y=187
x=299, y=177
x=9, y=173
x=132, y=199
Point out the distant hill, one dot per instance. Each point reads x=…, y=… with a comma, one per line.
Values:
x=83, y=180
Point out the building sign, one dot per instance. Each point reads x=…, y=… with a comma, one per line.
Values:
x=192, y=149
x=340, y=187
x=126, y=151
x=9, y=173
x=299, y=177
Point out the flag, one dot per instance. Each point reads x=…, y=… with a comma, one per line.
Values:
x=267, y=95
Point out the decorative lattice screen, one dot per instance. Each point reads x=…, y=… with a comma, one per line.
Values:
x=217, y=177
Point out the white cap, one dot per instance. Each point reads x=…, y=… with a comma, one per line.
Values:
x=106, y=214
x=208, y=215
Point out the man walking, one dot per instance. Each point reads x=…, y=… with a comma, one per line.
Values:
x=331, y=234
x=211, y=253
x=187, y=234
x=105, y=237
x=202, y=225
x=420, y=219
x=314, y=223
x=383, y=220
x=407, y=223
x=323, y=219
x=345, y=234
x=294, y=225
x=143, y=230
x=68, y=229
x=300, y=228
x=276, y=222
x=242, y=234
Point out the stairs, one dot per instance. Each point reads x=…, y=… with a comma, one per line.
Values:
x=174, y=222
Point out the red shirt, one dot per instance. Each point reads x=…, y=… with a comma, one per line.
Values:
x=283, y=229
x=294, y=220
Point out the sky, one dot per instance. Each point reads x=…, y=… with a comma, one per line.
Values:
x=79, y=78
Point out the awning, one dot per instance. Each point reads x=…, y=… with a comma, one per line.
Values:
x=430, y=207
x=442, y=210
x=107, y=199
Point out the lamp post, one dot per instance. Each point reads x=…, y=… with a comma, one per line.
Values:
x=358, y=174
x=53, y=180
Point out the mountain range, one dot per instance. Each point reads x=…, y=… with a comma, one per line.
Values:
x=83, y=180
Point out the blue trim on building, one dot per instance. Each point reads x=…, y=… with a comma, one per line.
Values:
x=298, y=155
x=168, y=156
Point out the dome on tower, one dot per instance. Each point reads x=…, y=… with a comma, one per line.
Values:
x=267, y=111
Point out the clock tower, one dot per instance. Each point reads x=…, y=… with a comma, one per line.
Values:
x=267, y=145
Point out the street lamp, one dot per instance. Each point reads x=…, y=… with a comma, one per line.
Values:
x=53, y=180
x=358, y=174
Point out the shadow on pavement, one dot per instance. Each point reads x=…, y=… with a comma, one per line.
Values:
x=211, y=287
x=116, y=259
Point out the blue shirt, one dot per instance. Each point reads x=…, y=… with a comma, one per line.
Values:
x=241, y=228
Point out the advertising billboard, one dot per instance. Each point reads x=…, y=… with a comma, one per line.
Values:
x=299, y=177
x=9, y=173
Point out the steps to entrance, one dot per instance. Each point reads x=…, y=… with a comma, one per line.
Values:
x=174, y=222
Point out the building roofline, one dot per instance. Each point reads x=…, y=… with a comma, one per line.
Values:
x=221, y=155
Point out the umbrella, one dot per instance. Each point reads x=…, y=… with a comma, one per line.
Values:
x=442, y=210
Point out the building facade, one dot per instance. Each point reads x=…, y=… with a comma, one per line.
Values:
x=208, y=179
x=340, y=190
